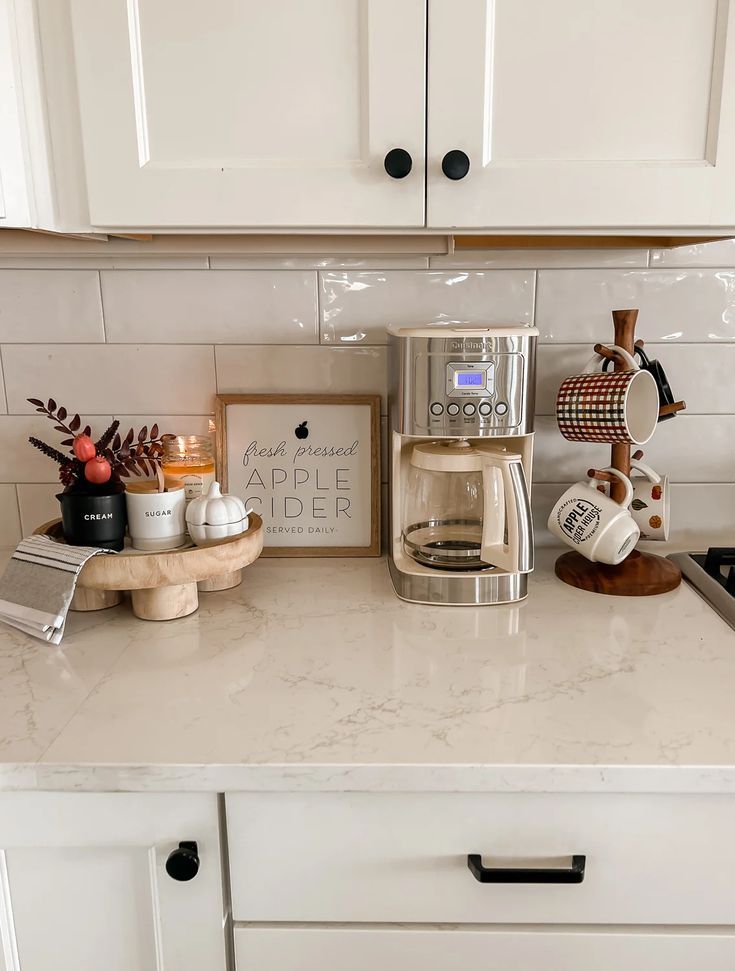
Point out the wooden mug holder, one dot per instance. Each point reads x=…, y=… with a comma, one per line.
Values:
x=640, y=574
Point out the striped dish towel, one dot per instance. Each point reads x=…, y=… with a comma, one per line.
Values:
x=38, y=584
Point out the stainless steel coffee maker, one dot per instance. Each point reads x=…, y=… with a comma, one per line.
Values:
x=461, y=418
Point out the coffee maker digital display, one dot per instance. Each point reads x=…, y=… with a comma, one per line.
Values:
x=469, y=379
x=461, y=417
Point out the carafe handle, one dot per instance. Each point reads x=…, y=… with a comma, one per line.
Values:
x=504, y=470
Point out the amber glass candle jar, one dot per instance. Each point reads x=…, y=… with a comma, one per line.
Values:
x=190, y=459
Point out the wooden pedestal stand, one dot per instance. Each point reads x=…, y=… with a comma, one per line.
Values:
x=165, y=585
x=640, y=574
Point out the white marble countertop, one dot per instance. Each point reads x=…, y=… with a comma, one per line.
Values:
x=312, y=674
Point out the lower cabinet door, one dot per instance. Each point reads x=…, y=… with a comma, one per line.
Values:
x=319, y=949
x=84, y=884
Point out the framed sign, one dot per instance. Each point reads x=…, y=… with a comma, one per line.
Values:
x=309, y=465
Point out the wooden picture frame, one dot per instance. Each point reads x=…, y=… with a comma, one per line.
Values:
x=256, y=470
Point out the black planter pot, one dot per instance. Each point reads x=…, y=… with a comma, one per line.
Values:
x=91, y=519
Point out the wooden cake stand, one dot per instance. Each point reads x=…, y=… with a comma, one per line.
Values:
x=163, y=586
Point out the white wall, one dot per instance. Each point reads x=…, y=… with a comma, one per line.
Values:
x=107, y=330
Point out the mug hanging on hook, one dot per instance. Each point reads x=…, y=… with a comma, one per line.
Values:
x=654, y=368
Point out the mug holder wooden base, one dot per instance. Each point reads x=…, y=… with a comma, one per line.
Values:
x=640, y=574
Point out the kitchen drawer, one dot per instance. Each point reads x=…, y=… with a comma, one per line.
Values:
x=402, y=857
x=321, y=949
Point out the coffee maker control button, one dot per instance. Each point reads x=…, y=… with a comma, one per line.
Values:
x=453, y=409
x=501, y=408
x=436, y=408
x=485, y=409
x=468, y=409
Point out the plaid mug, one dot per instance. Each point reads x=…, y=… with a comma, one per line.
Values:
x=608, y=407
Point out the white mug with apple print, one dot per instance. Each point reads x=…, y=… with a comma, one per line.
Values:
x=593, y=524
x=651, y=502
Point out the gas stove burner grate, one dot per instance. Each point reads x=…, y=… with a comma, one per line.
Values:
x=712, y=574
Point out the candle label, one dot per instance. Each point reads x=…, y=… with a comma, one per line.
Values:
x=196, y=484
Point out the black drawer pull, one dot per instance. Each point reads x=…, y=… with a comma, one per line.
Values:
x=490, y=874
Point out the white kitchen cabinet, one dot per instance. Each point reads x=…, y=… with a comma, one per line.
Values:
x=251, y=114
x=434, y=949
x=582, y=113
x=83, y=884
x=402, y=858
x=527, y=116
x=14, y=201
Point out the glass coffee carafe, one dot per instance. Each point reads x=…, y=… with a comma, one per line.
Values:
x=466, y=508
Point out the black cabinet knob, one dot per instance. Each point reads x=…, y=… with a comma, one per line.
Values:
x=183, y=863
x=455, y=165
x=398, y=163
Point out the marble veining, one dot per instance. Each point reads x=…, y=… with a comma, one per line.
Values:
x=312, y=674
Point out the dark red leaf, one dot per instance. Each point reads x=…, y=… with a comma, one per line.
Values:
x=154, y=431
x=87, y=431
x=36, y=402
x=116, y=443
x=60, y=428
x=51, y=404
x=75, y=423
x=61, y=414
x=42, y=410
x=143, y=433
x=68, y=441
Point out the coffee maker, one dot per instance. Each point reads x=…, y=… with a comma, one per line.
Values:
x=461, y=403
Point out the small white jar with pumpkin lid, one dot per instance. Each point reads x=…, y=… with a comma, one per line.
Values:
x=214, y=516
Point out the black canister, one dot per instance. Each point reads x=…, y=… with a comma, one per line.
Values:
x=94, y=519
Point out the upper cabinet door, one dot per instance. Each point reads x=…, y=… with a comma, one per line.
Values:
x=244, y=113
x=14, y=202
x=582, y=113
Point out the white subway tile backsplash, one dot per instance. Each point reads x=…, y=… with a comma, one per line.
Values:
x=691, y=448
x=94, y=378
x=319, y=262
x=357, y=307
x=573, y=306
x=212, y=307
x=718, y=254
x=536, y=259
x=3, y=403
x=309, y=370
x=169, y=424
x=102, y=262
x=260, y=312
x=702, y=515
x=23, y=463
x=38, y=504
x=50, y=305
x=10, y=530
x=700, y=374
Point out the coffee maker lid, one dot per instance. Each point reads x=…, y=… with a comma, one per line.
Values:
x=442, y=330
x=453, y=455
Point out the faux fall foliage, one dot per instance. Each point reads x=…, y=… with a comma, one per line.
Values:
x=89, y=460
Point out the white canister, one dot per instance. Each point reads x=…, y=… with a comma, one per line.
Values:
x=156, y=520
